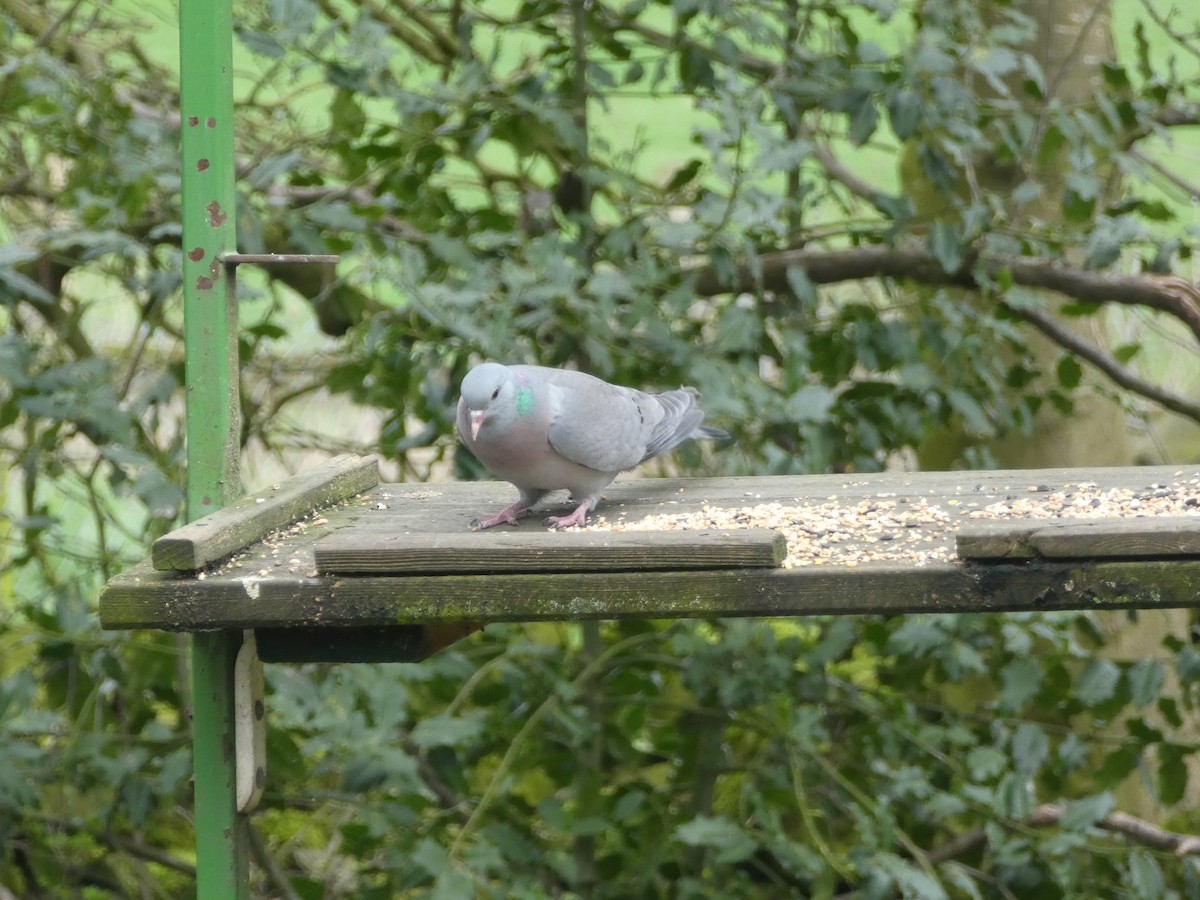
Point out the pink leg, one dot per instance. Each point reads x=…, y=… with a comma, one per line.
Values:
x=510, y=515
x=576, y=518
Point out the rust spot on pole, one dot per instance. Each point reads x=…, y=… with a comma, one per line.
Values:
x=204, y=283
x=193, y=121
x=206, y=501
x=196, y=255
x=211, y=121
x=201, y=165
x=216, y=218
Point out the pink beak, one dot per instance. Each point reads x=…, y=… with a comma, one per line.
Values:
x=476, y=423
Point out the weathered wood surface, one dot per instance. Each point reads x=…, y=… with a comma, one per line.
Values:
x=1149, y=536
x=276, y=584
x=376, y=553
x=1165, y=536
x=225, y=531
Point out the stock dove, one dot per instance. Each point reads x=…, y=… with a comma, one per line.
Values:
x=545, y=429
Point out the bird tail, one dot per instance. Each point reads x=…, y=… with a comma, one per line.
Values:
x=709, y=433
x=683, y=421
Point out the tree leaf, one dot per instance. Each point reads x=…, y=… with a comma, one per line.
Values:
x=1085, y=813
x=917, y=635
x=1145, y=679
x=729, y=840
x=1069, y=372
x=684, y=175
x=905, y=112
x=1172, y=773
x=448, y=731
x=1020, y=680
x=1098, y=682
x=864, y=118
x=1030, y=748
x=986, y=763
x=1118, y=765
x=946, y=245
x=802, y=287
x=811, y=403
x=1145, y=876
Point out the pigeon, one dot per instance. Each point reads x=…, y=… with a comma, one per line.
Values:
x=546, y=429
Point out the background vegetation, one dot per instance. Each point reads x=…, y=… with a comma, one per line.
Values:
x=871, y=233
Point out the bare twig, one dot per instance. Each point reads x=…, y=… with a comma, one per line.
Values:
x=1184, y=41
x=1191, y=188
x=840, y=173
x=276, y=877
x=117, y=842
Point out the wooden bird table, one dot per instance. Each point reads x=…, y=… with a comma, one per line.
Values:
x=333, y=565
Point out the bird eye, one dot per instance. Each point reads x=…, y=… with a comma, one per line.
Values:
x=495, y=393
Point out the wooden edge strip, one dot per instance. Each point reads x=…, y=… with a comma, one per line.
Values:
x=1082, y=538
x=225, y=531
x=1112, y=538
x=529, y=551
x=1007, y=540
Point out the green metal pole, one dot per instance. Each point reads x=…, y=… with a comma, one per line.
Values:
x=210, y=334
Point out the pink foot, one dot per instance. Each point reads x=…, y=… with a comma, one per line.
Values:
x=576, y=518
x=510, y=515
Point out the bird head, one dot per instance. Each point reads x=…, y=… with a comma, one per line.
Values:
x=487, y=389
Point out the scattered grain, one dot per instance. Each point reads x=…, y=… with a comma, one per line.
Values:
x=915, y=531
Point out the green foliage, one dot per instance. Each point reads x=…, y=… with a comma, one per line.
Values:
x=738, y=757
x=445, y=151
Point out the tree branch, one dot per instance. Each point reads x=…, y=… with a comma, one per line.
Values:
x=1166, y=294
x=842, y=174
x=1119, y=374
x=1049, y=814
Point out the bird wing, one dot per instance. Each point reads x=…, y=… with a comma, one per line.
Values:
x=596, y=424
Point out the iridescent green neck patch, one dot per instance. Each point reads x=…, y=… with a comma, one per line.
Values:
x=524, y=396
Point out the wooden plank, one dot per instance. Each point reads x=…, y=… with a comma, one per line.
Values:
x=144, y=598
x=358, y=552
x=228, y=530
x=1150, y=536
x=449, y=507
x=998, y=540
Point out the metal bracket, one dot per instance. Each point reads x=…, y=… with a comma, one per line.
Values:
x=272, y=259
x=232, y=260
x=249, y=725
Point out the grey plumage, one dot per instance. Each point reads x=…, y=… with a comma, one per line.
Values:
x=546, y=429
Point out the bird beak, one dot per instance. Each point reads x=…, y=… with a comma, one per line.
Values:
x=476, y=423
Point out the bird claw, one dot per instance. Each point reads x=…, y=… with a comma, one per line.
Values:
x=510, y=515
x=578, y=517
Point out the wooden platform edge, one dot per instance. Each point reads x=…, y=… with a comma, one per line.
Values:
x=145, y=598
x=225, y=531
x=381, y=553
